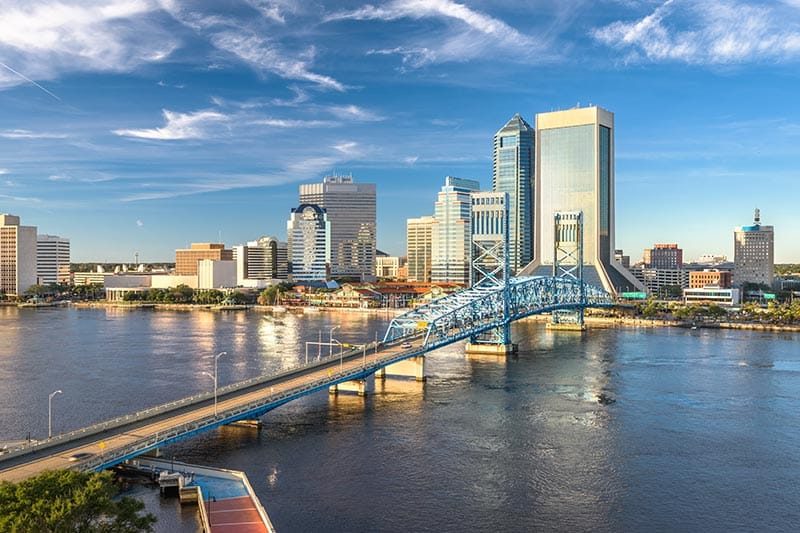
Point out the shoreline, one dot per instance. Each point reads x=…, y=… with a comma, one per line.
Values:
x=591, y=321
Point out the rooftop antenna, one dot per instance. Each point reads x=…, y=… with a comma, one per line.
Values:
x=757, y=217
x=136, y=257
x=219, y=234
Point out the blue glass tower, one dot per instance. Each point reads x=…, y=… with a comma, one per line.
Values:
x=514, y=174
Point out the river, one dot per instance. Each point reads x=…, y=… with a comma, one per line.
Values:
x=613, y=430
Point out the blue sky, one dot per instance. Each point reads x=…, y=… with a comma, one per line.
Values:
x=143, y=125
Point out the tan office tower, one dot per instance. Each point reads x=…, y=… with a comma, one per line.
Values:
x=17, y=256
x=186, y=259
x=350, y=209
x=419, y=236
x=575, y=172
x=754, y=253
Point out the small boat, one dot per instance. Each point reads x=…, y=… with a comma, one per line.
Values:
x=310, y=310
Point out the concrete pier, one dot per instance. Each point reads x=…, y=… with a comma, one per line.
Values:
x=362, y=387
x=413, y=367
x=565, y=326
x=491, y=349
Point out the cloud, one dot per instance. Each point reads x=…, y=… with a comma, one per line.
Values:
x=139, y=223
x=697, y=32
x=47, y=38
x=59, y=177
x=21, y=199
x=4, y=171
x=179, y=126
x=297, y=169
x=293, y=123
x=354, y=112
x=411, y=160
x=473, y=34
x=265, y=56
x=27, y=134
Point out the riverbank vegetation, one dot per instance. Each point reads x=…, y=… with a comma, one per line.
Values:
x=65, y=500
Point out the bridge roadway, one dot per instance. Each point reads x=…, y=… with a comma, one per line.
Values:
x=115, y=444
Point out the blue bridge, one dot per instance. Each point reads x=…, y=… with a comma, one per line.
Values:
x=467, y=314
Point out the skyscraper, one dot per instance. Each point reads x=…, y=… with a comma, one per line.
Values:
x=52, y=259
x=309, y=236
x=451, y=233
x=754, y=253
x=419, y=238
x=17, y=256
x=262, y=259
x=514, y=174
x=350, y=208
x=575, y=172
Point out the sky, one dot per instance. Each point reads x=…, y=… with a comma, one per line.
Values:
x=144, y=125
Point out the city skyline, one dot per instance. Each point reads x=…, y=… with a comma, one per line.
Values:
x=146, y=118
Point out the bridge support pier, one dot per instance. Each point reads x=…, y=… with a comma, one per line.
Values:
x=479, y=348
x=362, y=387
x=380, y=373
x=413, y=367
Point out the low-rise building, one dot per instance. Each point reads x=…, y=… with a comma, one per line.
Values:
x=712, y=295
x=213, y=274
x=387, y=266
x=659, y=280
x=186, y=259
x=710, y=278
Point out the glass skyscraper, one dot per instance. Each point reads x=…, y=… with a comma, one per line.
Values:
x=309, y=246
x=452, y=232
x=350, y=208
x=514, y=174
x=575, y=172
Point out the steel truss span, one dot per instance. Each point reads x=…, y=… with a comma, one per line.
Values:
x=479, y=309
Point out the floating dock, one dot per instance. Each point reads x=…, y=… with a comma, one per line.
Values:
x=229, y=503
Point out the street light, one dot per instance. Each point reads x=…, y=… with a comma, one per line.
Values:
x=50, y=413
x=216, y=358
x=330, y=348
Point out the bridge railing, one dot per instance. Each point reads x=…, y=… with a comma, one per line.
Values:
x=150, y=412
x=253, y=408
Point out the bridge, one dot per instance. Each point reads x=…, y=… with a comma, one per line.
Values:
x=462, y=315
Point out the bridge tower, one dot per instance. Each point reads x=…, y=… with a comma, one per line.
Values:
x=568, y=264
x=490, y=265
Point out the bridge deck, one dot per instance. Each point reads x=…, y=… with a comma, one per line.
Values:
x=106, y=446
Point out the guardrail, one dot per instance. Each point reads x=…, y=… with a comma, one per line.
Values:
x=135, y=448
x=171, y=406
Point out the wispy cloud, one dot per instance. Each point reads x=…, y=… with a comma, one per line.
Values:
x=698, y=32
x=294, y=170
x=139, y=223
x=473, y=33
x=28, y=134
x=21, y=199
x=4, y=171
x=46, y=38
x=179, y=126
x=354, y=112
x=293, y=123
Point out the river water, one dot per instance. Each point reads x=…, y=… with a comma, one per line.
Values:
x=613, y=430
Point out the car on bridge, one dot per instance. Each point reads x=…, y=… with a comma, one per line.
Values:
x=406, y=345
x=74, y=458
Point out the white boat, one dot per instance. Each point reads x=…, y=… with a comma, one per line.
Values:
x=311, y=309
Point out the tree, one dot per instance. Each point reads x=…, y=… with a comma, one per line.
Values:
x=65, y=500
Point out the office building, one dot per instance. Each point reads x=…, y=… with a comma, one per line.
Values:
x=186, y=259
x=710, y=278
x=712, y=295
x=387, y=266
x=663, y=256
x=662, y=282
x=621, y=258
x=513, y=173
x=575, y=172
x=754, y=253
x=52, y=259
x=419, y=238
x=309, y=235
x=263, y=259
x=350, y=208
x=215, y=274
x=451, y=233
x=17, y=256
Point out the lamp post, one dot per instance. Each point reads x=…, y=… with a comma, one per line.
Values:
x=50, y=413
x=216, y=358
x=330, y=348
